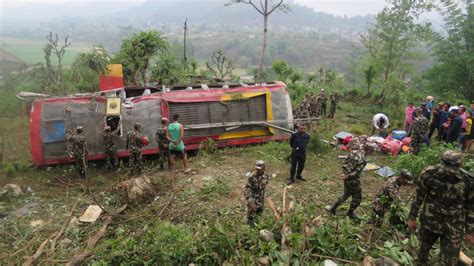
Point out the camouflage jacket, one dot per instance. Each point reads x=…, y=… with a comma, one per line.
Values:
x=447, y=204
x=161, y=137
x=255, y=188
x=110, y=139
x=420, y=127
x=134, y=142
x=79, y=145
x=323, y=97
x=390, y=191
x=353, y=165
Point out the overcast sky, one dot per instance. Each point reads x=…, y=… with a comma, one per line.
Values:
x=335, y=7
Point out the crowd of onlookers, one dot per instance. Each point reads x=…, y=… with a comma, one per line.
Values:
x=452, y=123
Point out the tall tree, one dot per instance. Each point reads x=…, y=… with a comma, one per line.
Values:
x=220, y=65
x=137, y=52
x=391, y=40
x=87, y=68
x=454, y=51
x=55, y=73
x=264, y=8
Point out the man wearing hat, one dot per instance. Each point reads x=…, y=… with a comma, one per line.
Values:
x=134, y=146
x=79, y=150
x=352, y=169
x=110, y=144
x=162, y=140
x=255, y=191
x=445, y=194
x=389, y=194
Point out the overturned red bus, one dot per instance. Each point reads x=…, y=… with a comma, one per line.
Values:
x=229, y=115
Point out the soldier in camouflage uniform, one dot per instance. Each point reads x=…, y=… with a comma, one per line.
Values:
x=134, y=145
x=78, y=145
x=418, y=131
x=162, y=143
x=255, y=191
x=352, y=168
x=332, y=107
x=389, y=194
x=110, y=143
x=323, y=100
x=446, y=193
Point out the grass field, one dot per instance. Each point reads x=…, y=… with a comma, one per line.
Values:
x=31, y=51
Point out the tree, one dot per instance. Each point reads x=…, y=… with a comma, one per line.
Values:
x=390, y=41
x=369, y=74
x=220, y=66
x=167, y=70
x=454, y=71
x=282, y=69
x=55, y=73
x=87, y=68
x=264, y=8
x=136, y=53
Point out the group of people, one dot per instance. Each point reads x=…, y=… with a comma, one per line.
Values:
x=169, y=138
x=444, y=194
x=312, y=106
x=453, y=123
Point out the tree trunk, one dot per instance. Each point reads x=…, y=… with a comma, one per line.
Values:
x=264, y=47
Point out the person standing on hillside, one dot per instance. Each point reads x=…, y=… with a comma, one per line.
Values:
x=352, y=169
x=332, y=105
x=435, y=118
x=445, y=195
x=163, y=143
x=175, y=135
x=134, y=145
x=418, y=131
x=408, y=116
x=455, y=127
x=110, y=143
x=254, y=191
x=79, y=150
x=299, y=143
x=323, y=97
x=443, y=119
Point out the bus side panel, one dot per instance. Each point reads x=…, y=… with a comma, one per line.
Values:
x=35, y=137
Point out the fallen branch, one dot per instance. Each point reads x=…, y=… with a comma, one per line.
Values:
x=271, y=204
x=284, y=201
x=61, y=231
x=92, y=241
x=169, y=201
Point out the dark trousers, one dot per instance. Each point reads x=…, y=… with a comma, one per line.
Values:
x=433, y=127
x=449, y=245
x=297, y=165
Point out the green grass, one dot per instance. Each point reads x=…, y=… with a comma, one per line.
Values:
x=31, y=51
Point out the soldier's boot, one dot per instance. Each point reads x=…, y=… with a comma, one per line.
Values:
x=331, y=209
x=162, y=166
x=352, y=215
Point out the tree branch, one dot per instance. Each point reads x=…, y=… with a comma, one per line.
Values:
x=275, y=7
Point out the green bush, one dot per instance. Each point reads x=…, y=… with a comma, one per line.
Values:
x=357, y=129
x=316, y=145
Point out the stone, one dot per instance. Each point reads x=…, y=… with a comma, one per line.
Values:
x=264, y=261
x=137, y=190
x=329, y=263
x=368, y=261
x=91, y=214
x=65, y=242
x=266, y=235
x=11, y=191
x=385, y=261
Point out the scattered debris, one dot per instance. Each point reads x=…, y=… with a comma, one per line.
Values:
x=36, y=223
x=385, y=171
x=91, y=214
x=371, y=167
x=266, y=235
x=342, y=135
x=10, y=191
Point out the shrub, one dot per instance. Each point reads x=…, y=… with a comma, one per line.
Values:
x=357, y=129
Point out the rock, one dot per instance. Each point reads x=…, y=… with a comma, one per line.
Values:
x=65, y=242
x=368, y=261
x=264, y=261
x=10, y=191
x=36, y=223
x=91, y=214
x=137, y=190
x=384, y=261
x=266, y=235
x=329, y=263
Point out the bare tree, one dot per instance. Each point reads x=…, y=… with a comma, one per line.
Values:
x=53, y=46
x=220, y=66
x=265, y=8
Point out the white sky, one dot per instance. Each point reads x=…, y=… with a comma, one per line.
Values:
x=335, y=7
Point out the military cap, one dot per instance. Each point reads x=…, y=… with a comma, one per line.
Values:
x=260, y=164
x=451, y=157
x=79, y=129
x=137, y=125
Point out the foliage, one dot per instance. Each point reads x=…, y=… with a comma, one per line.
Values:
x=220, y=66
x=398, y=250
x=282, y=69
x=167, y=70
x=54, y=83
x=218, y=187
x=208, y=146
x=316, y=145
x=87, y=67
x=454, y=71
x=369, y=75
x=357, y=129
x=137, y=52
x=416, y=163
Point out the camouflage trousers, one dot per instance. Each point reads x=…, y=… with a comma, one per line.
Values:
x=254, y=210
x=351, y=189
x=416, y=143
x=332, y=111
x=163, y=156
x=135, y=161
x=450, y=247
x=80, y=164
x=111, y=158
x=323, y=109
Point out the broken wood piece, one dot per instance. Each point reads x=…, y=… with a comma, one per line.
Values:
x=464, y=258
x=91, y=214
x=61, y=231
x=271, y=204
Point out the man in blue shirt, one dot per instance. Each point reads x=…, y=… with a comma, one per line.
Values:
x=298, y=142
